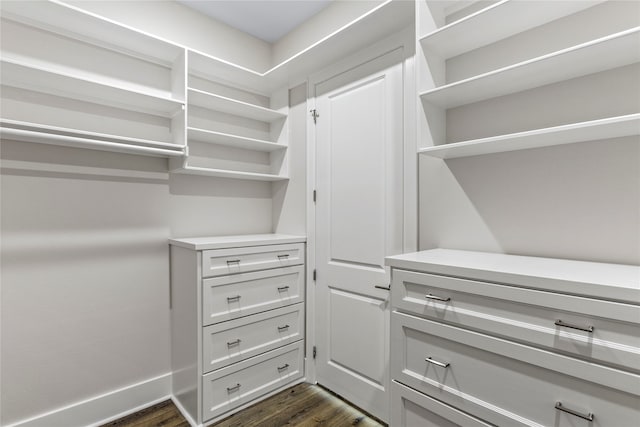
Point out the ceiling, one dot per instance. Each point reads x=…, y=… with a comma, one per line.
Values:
x=268, y=20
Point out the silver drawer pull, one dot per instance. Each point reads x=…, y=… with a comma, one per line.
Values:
x=283, y=367
x=569, y=325
x=283, y=328
x=588, y=417
x=437, y=363
x=436, y=297
x=283, y=288
x=283, y=256
x=232, y=299
x=233, y=261
x=384, y=288
x=232, y=343
x=234, y=388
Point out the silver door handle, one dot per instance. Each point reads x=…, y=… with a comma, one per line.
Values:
x=283, y=328
x=572, y=326
x=283, y=288
x=283, y=367
x=560, y=407
x=233, y=261
x=232, y=343
x=437, y=363
x=384, y=288
x=232, y=299
x=234, y=388
x=437, y=298
x=283, y=256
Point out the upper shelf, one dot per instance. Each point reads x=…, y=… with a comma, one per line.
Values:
x=76, y=23
x=225, y=173
x=613, y=127
x=496, y=22
x=223, y=104
x=55, y=82
x=221, y=138
x=605, y=53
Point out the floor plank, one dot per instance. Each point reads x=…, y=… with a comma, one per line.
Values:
x=303, y=405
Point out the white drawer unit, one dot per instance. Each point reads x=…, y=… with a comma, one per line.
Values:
x=237, y=321
x=483, y=344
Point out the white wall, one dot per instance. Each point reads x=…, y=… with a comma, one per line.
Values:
x=85, y=301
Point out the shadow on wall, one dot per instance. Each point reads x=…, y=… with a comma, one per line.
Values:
x=576, y=201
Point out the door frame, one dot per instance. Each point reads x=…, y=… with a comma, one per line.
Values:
x=406, y=41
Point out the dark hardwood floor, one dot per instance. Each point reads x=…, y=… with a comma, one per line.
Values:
x=303, y=405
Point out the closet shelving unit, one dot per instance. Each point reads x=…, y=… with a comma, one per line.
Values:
x=490, y=25
x=70, y=78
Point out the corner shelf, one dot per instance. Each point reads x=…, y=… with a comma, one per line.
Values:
x=36, y=78
x=223, y=173
x=223, y=104
x=494, y=23
x=221, y=138
x=602, y=54
x=613, y=127
x=52, y=135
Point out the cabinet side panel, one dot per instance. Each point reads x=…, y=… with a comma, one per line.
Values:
x=184, y=328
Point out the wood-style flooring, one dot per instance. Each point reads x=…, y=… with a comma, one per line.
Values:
x=303, y=405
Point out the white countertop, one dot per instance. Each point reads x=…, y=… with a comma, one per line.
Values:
x=600, y=280
x=239, y=241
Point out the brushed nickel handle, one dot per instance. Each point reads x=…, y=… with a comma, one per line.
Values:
x=384, y=288
x=560, y=407
x=283, y=288
x=572, y=326
x=283, y=328
x=233, y=261
x=232, y=343
x=283, y=367
x=437, y=363
x=437, y=298
x=283, y=256
x=234, y=388
x=234, y=298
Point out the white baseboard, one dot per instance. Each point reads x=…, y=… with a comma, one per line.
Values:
x=101, y=409
x=184, y=413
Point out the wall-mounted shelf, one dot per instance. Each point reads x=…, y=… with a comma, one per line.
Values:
x=494, y=23
x=613, y=127
x=54, y=82
x=52, y=135
x=222, y=173
x=223, y=104
x=221, y=138
x=605, y=53
x=76, y=23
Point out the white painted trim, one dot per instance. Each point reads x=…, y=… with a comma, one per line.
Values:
x=184, y=412
x=100, y=409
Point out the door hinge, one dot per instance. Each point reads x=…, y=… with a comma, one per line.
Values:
x=315, y=274
x=315, y=115
x=315, y=351
x=315, y=195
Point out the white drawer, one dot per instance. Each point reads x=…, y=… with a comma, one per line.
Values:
x=526, y=315
x=229, y=342
x=220, y=262
x=414, y=409
x=235, y=385
x=230, y=297
x=506, y=383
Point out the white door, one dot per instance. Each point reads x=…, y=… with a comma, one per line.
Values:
x=359, y=139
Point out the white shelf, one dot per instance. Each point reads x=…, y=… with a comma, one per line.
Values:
x=592, y=279
x=598, y=55
x=223, y=104
x=213, y=137
x=613, y=127
x=52, y=135
x=496, y=22
x=223, y=173
x=73, y=22
x=54, y=82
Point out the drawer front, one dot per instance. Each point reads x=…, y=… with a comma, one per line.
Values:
x=220, y=262
x=526, y=315
x=229, y=342
x=496, y=381
x=230, y=297
x=235, y=385
x=410, y=408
